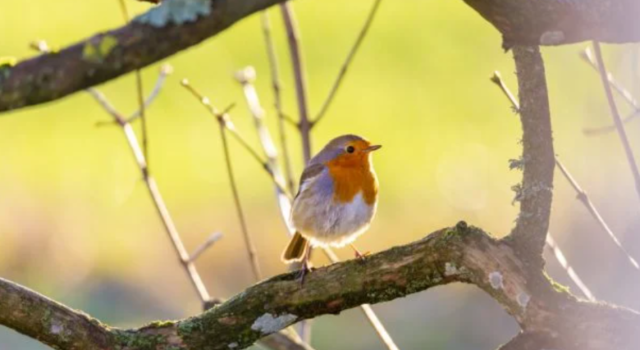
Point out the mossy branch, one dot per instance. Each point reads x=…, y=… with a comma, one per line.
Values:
x=458, y=254
x=161, y=32
x=561, y=22
x=538, y=157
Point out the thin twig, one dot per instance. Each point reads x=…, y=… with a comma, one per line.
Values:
x=125, y=10
x=497, y=79
x=234, y=132
x=588, y=57
x=562, y=260
x=213, y=238
x=347, y=62
x=139, y=91
x=584, y=198
x=223, y=121
x=616, y=116
x=293, y=38
x=156, y=197
x=277, y=96
x=248, y=241
x=610, y=128
x=165, y=71
x=246, y=77
x=581, y=194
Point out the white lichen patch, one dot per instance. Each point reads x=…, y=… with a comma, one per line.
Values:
x=450, y=269
x=268, y=323
x=523, y=299
x=495, y=279
x=56, y=327
x=175, y=12
x=552, y=38
x=233, y=345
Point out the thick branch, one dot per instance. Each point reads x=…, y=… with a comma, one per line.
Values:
x=538, y=158
x=558, y=22
x=54, y=324
x=460, y=254
x=163, y=31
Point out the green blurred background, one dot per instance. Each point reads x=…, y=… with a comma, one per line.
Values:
x=77, y=224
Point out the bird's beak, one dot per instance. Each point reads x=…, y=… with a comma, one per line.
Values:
x=372, y=148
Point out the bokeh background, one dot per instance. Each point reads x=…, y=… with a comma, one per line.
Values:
x=76, y=222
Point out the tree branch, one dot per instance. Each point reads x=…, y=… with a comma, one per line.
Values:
x=458, y=254
x=538, y=157
x=161, y=32
x=559, y=22
x=48, y=321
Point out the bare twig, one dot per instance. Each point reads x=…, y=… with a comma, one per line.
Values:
x=154, y=192
x=588, y=57
x=584, y=198
x=213, y=238
x=497, y=79
x=581, y=194
x=246, y=77
x=125, y=10
x=293, y=37
x=347, y=62
x=610, y=128
x=562, y=260
x=139, y=92
x=592, y=60
x=165, y=71
x=277, y=96
x=616, y=116
x=223, y=121
x=228, y=124
x=251, y=249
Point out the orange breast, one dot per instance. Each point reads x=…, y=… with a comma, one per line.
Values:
x=351, y=177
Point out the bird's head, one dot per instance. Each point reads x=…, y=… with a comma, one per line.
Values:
x=347, y=151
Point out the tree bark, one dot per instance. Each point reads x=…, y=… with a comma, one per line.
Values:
x=547, y=314
x=560, y=22
x=161, y=32
x=166, y=30
x=538, y=157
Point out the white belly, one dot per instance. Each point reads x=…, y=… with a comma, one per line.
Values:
x=336, y=224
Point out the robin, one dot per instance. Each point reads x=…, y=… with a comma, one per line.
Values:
x=336, y=200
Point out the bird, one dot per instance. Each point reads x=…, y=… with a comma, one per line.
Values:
x=336, y=201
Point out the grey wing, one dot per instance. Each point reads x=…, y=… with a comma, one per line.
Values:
x=308, y=174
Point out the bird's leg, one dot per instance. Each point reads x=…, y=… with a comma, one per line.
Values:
x=306, y=265
x=359, y=255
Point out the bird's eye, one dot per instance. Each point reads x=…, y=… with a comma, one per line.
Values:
x=351, y=149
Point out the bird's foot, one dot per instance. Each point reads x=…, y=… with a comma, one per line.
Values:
x=306, y=269
x=361, y=256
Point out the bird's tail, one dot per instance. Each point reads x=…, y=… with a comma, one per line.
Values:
x=296, y=249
